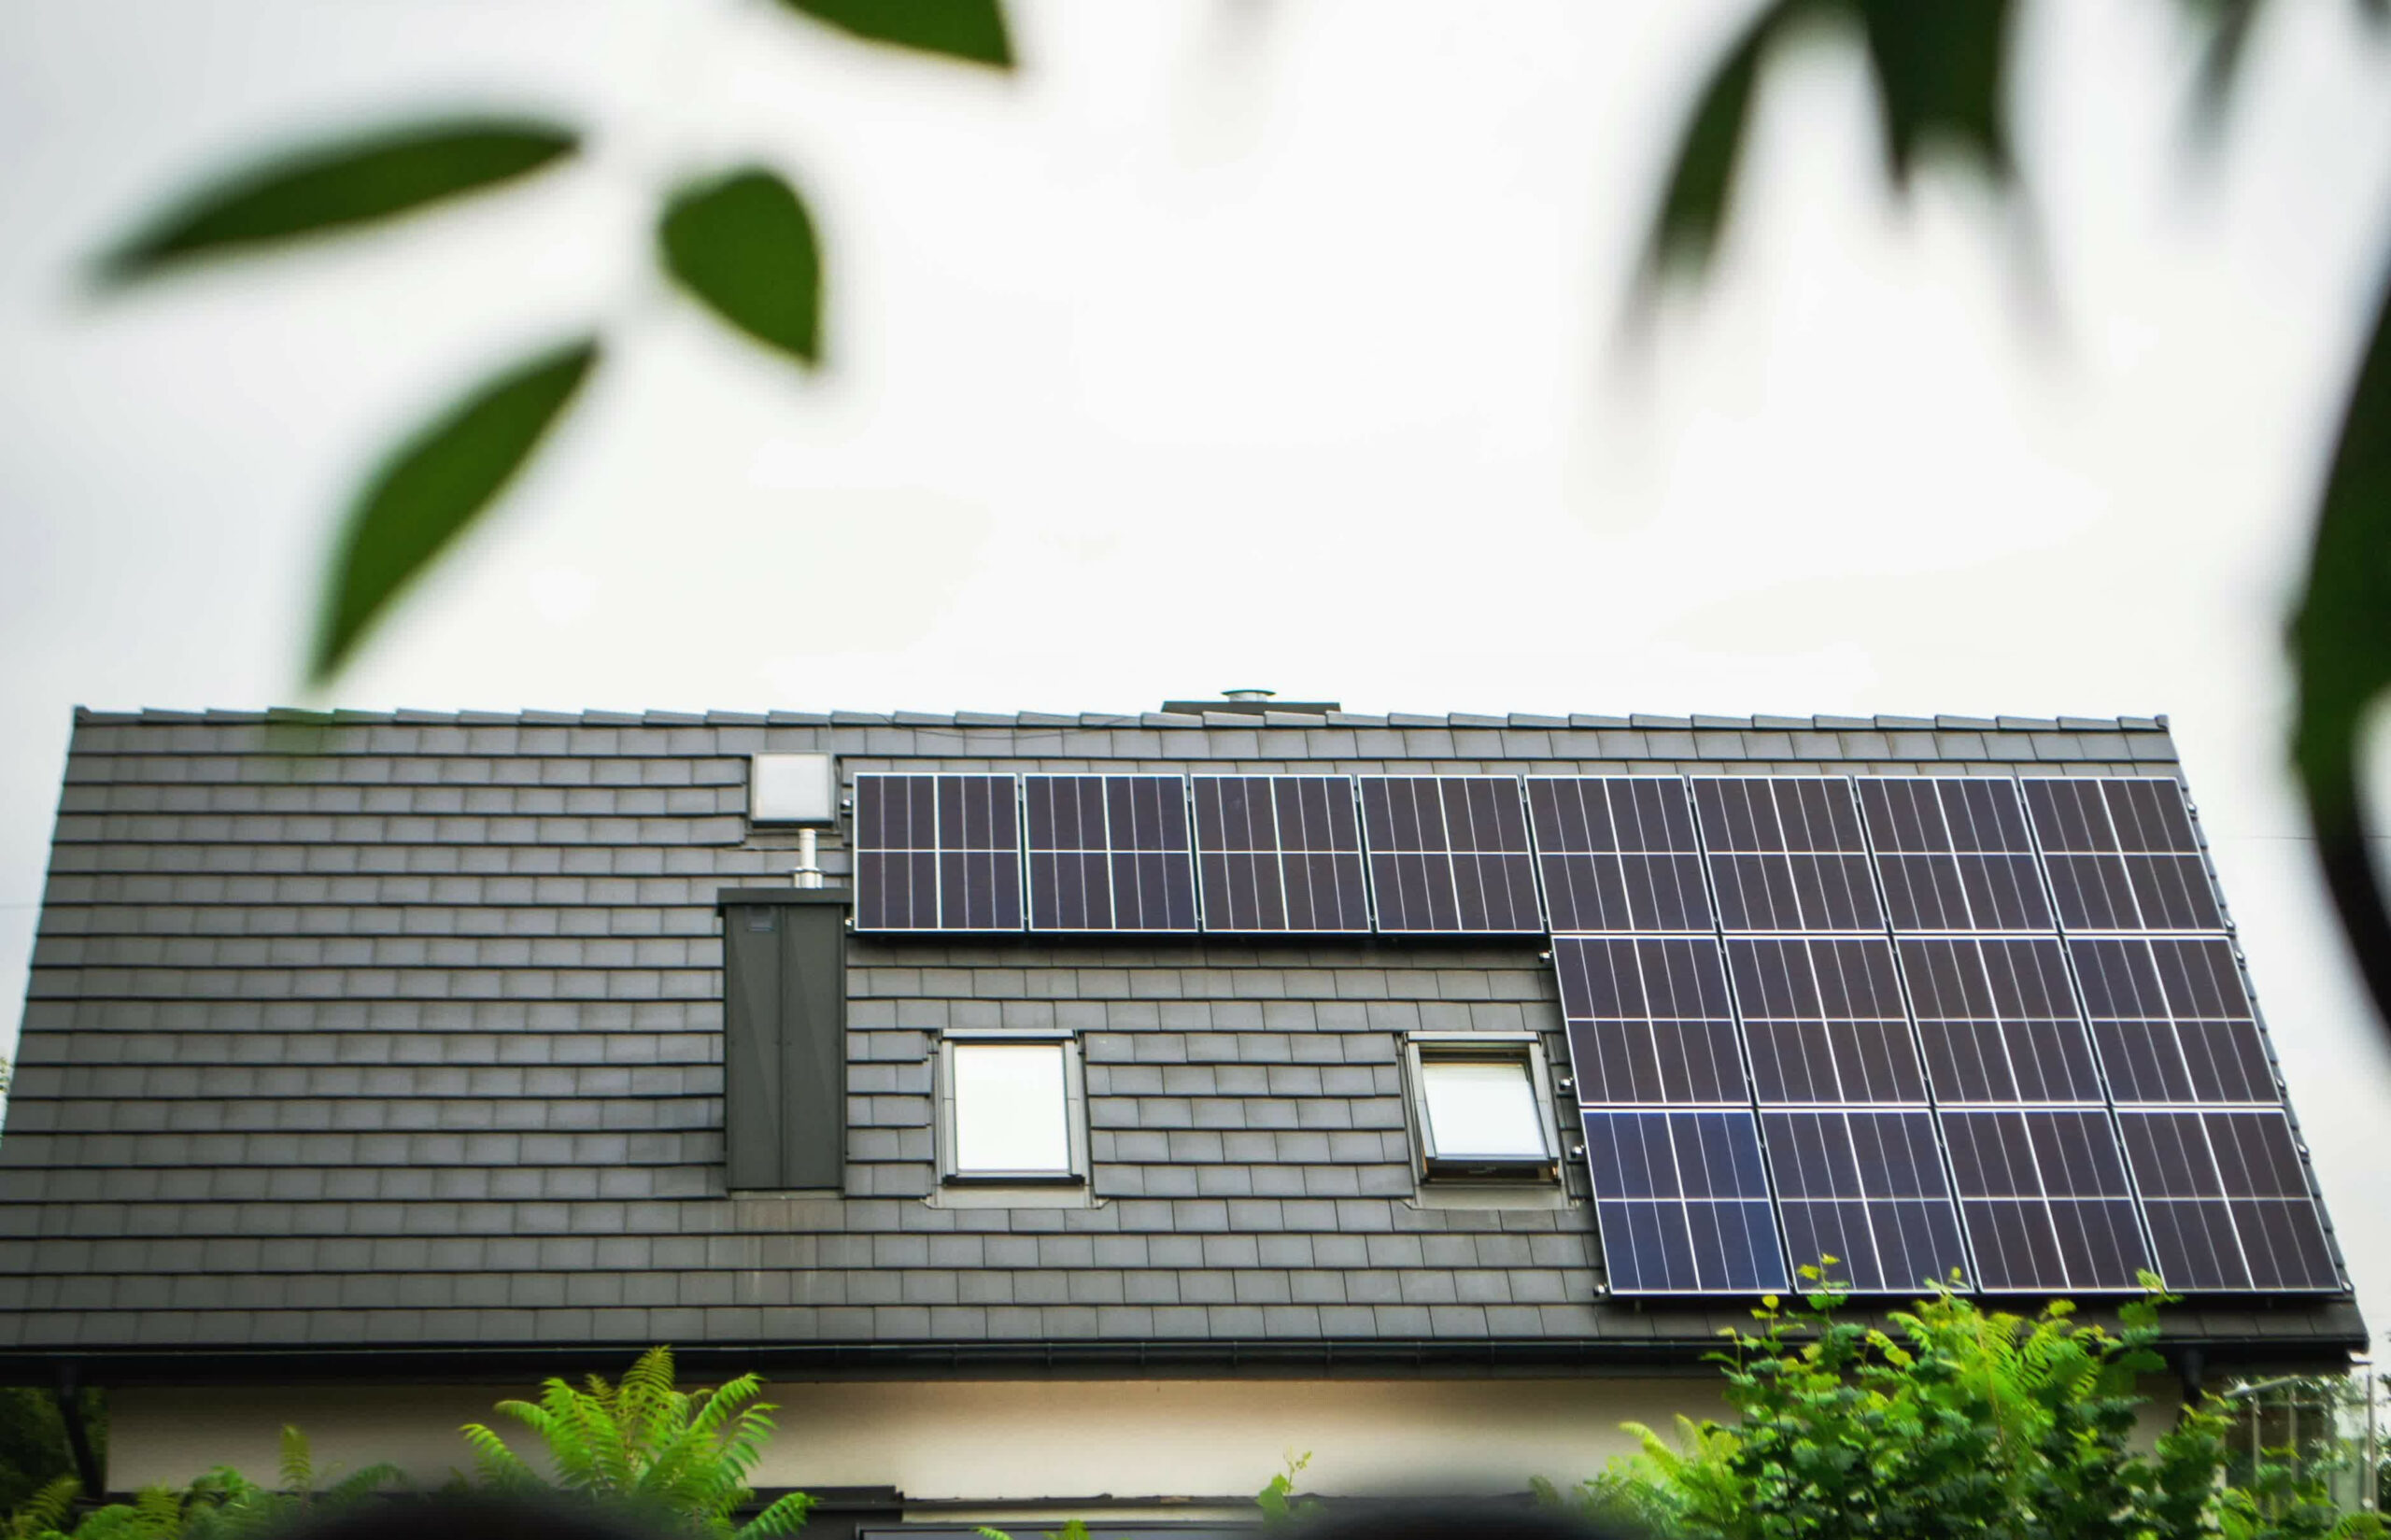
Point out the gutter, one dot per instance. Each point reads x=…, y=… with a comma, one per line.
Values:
x=78, y=1435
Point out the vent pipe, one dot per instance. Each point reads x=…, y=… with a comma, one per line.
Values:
x=809, y=864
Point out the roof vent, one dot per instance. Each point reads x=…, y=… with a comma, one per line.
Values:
x=1252, y=702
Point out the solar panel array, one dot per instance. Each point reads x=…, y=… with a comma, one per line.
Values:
x=1932, y=1058
x=1924, y=1025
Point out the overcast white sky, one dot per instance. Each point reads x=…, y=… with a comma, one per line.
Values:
x=1233, y=343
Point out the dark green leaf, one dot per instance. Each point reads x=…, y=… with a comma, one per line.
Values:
x=332, y=186
x=745, y=246
x=1940, y=70
x=960, y=29
x=2341, y=655
x=428, y=492
x=1701, y=182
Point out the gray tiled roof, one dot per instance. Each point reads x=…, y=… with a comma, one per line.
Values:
x=372, y=1031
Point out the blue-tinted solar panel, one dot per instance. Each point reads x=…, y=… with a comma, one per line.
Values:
x=937, y=853
x=1648, y=1020
x=2045, y=1196
x=2172, y=1021
x=2122, y=853
x=1682, y=1203
x=1618, y=853
x=1449, y=854
x=1280, y=854
x=1824, y=1021
x=1866, y=1189
x=1785, y=853
x=1998, y=1021
x=1954, y=854
x=2229, y=1201
x=1109, y=853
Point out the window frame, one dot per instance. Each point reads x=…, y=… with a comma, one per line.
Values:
x=1525, y=1048
x=951, y=1176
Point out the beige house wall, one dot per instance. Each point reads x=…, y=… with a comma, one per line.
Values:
x=994, y=1441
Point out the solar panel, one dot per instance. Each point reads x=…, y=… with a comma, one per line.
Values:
x=2229, y=1200
x=1449, y=853
x=2122, y=853
x=937, y=853
x=2045, y=1196
x=1648, y=1020
x=1998, y=1022
x=1953, y=854
x=1785, y=853
x=1109, y=853
x=1280, y=854
x=1618, y=853
x=1682, y=1202
x=2172, y=1021
x=1867, y=1189
x=1824, y=1020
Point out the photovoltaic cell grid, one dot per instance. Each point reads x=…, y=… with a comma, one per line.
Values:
x=2122, y=854
x=1785, y=853
x=2205, y=1126
x=1849, y=1135
x=1681, y=1196
x=1449, y=854
x=1954, y=854
x=1109, y=853
x=1280, y=854
x=937, y=853
x=1618, y=853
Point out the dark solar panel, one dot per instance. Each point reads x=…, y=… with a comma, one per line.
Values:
x=937, y=853
x=1682, y=1203
x=1998, y=1021
x=1648, y=1020
x=2122, y=853
x=1867, y=1189
x=1954, y=854
x=1618, y=853
x=1280, y=854
x=1785, y=853
x=1449, y=853
x=2229, y=1200
x=2172, y=1021
x=2045, y=1196
x=1824, y=1020
x=1109, y=853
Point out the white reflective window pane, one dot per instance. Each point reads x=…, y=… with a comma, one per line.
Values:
x=1011, y=1113
x=1479, y=1106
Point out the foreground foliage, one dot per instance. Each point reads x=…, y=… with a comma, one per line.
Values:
x=1950, y=1420
x=671, y=1459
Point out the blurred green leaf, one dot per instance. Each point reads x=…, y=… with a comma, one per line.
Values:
x=960, y=29
x=1701, y=181
x=744, y=245
x=2341, y=656
x=432, y=488
x=332, y=186
x=1938, y=69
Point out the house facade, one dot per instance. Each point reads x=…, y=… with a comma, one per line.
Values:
x=1055, y=1152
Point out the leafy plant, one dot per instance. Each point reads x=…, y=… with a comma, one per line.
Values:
x=221, y=1505
x=668, y=1456
x=1940, y=72
x=1947, y=1420
x=741, y=244
x=1277, y=1499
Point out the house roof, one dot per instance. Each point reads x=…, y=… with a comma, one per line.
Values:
x=387, y=1039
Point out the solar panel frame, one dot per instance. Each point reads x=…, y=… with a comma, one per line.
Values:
x=1155, y=852
x=2004, y=1162
x=1983, y=1039
x=2232, y=1202
x=968, y=877
x=1867, y=1186
x=1695, y=1174
x=1631, y=861
x=1625, y=1053
x=1796, y=862
x=1259, y=879
x=2122, y=853
x=1954, y=854
x=1436, y=868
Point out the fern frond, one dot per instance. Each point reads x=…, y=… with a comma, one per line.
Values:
x=786, y=1515
x=298, y=1462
